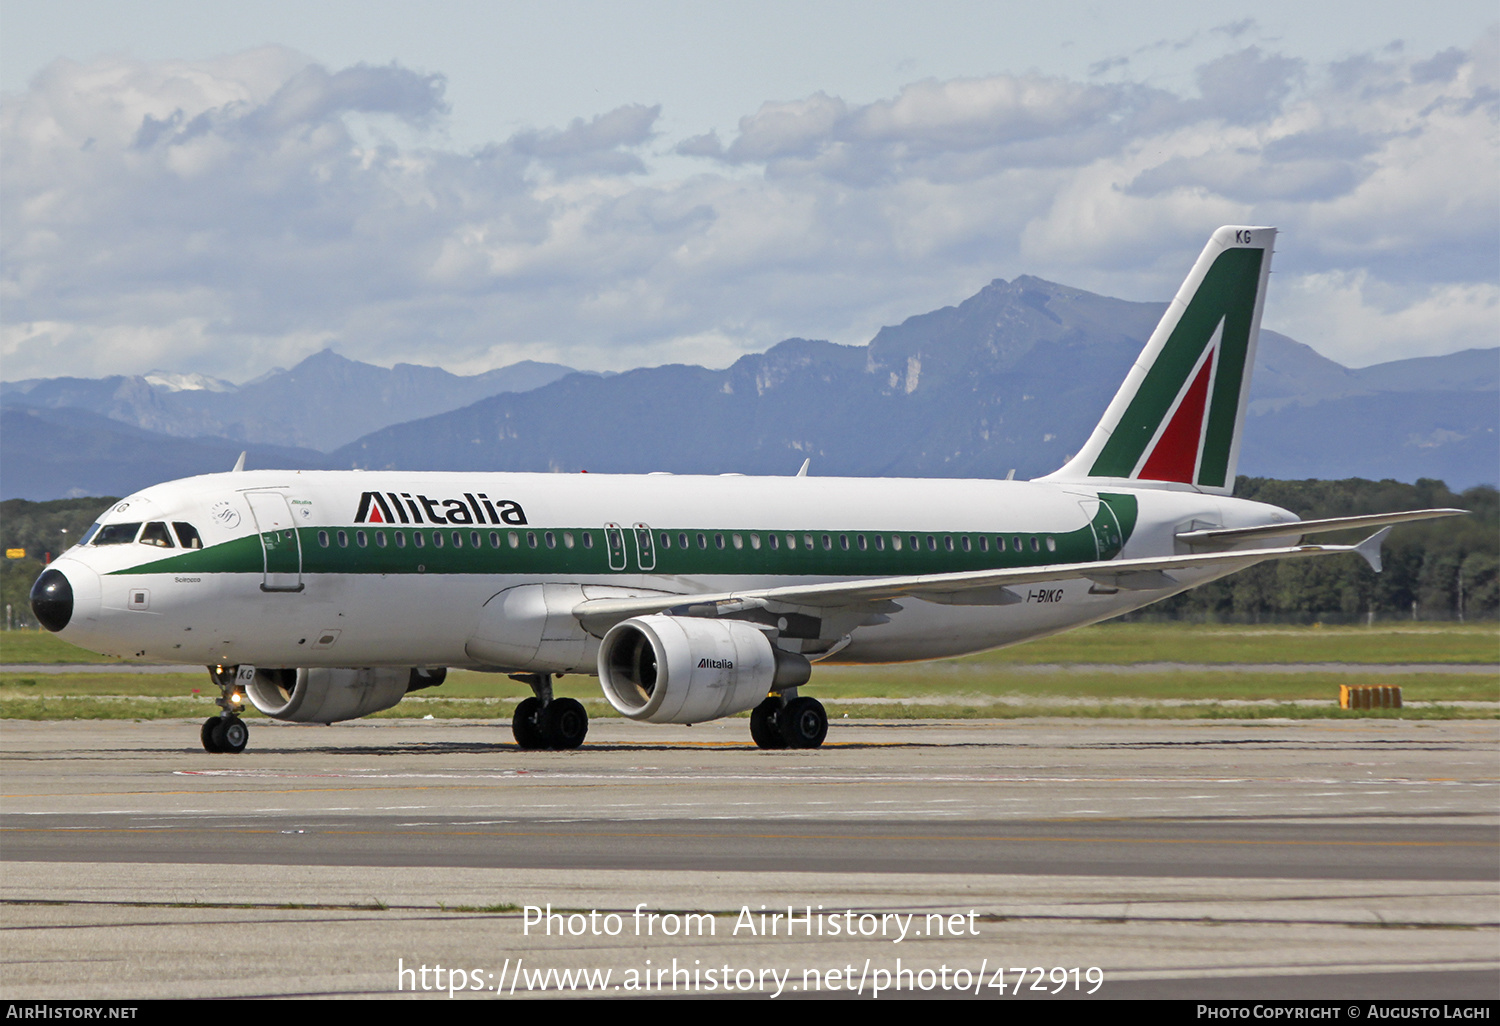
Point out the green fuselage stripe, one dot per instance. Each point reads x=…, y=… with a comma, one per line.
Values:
x=599, y=552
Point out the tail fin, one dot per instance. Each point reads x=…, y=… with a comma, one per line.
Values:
x=1178, y=416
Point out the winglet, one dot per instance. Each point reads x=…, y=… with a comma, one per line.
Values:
x=1369, y=549
x=805, y=464
x=239, y=464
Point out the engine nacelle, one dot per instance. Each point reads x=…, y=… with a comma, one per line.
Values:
x=671, y=669
x=322, y=695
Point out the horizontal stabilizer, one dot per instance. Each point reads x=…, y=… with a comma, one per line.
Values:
x=1220, y=537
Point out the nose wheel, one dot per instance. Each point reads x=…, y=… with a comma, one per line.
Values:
x=226, y=733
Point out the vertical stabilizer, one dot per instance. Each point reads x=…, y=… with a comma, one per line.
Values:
x=1177, y=418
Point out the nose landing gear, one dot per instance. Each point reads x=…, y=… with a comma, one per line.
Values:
x=226, y=733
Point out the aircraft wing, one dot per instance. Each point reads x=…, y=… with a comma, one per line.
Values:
x=982, y=587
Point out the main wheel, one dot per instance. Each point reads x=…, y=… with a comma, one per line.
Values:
x=765, y=725
x=207, y=735
x=525, y=726
x=804, y=724
x=565, y=723
x=231, y=735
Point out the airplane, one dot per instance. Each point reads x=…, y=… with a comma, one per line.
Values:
x=325, y=596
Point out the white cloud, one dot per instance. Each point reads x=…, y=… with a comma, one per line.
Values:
x=1357, y=321
x=223, y=216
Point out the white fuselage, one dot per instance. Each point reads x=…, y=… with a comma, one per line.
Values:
x=352, y=591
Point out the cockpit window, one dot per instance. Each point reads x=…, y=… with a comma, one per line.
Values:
x=117, y=534
x=156, y=534
x=88, y=535
x=188, y=535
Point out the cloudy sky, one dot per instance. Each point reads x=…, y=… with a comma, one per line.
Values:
x=224, y=188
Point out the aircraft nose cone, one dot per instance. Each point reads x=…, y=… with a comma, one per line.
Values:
x=52, y=600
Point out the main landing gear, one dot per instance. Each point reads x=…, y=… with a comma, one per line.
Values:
x=546, y=722
x=786, y=721
x=226, y=733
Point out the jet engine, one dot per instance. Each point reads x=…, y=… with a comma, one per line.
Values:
x=670, y=669
x=322, y=695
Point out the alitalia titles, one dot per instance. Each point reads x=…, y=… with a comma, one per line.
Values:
x=406, y=508
x=715, y=664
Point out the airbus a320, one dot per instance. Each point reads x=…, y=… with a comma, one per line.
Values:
x=325, y=596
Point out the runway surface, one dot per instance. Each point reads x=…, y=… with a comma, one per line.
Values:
x=1340, y=859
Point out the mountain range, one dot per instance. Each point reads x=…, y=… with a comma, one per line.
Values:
x=1012, y=379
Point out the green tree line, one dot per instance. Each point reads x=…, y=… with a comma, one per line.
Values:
x=1434, y=570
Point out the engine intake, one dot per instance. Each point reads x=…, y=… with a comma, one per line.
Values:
x=670, y=669
x=322, y=695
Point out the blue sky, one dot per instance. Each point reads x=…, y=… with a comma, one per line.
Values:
x=220, y=189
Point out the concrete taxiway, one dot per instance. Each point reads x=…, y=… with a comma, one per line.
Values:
x=1194, y=859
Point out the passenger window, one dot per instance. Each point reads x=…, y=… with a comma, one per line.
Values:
x=117, y=534
x=1051, y=544
x=343, y=540
x=187, y=534
x=156, y=534
x=323, y=539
